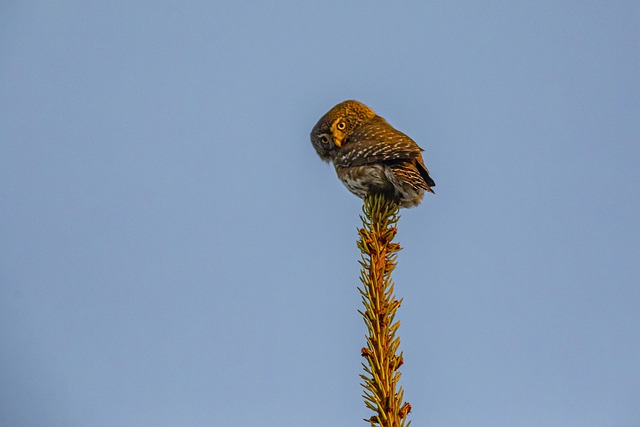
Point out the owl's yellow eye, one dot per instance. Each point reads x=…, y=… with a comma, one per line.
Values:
x=341, y=125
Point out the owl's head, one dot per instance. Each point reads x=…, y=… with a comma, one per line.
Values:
x=331, y=131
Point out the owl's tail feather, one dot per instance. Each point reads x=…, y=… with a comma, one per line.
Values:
x=424, y=173
x=411, y=173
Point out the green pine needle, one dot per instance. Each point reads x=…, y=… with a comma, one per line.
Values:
x=381, y=394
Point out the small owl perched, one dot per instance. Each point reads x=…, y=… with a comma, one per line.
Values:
x=370, y=156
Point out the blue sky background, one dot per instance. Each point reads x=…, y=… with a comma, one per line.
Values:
x=174, y=252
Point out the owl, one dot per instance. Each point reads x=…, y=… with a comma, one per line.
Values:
x=370, y=155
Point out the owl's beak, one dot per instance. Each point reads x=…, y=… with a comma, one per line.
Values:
x=337, y=134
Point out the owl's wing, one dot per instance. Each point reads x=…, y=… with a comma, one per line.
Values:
x=376, y=142
x=414, y=174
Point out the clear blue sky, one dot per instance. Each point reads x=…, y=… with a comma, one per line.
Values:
x=174, y=253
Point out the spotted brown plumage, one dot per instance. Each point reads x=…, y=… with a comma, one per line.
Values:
x=370, y=155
